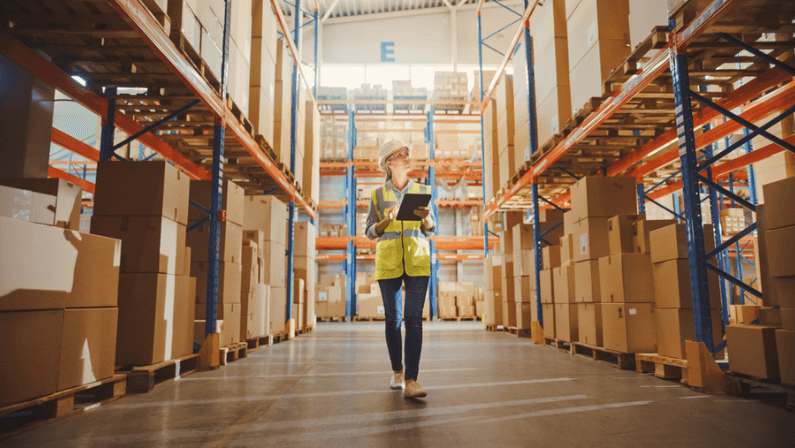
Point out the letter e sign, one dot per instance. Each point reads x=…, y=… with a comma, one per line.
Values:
x=387, y=52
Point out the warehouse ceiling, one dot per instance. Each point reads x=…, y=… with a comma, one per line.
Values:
x=347, y=8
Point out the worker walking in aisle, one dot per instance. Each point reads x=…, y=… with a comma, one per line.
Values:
x=402, y=255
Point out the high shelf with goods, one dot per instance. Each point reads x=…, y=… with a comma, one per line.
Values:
x=650, y=124
x=161, y=94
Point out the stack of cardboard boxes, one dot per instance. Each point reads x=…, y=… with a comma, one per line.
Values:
x=508, y=281
x=492, y=278
x=254, y=293
x=265, y=218
x=263, y=69
x=331, y=299
x=368, y=296
x=465, y=299
x=551, y=68
x=145, y=205
x=598, y=41
x=446, y=300
x=766, y=350
x=672, y=289
x=305, y=269
x=229, y=312
x=58, y=292
x=505, y=129
x=560, y=260
x=627, y=290
x=594, y=200
x=491, y=150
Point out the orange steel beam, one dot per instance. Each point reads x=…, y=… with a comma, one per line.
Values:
x=46, y=71
x=459, y=257
x=437, y=131
x=66, y=141
x=56, y=173
x=152, y=33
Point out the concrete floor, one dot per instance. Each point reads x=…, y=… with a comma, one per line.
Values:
x=330, y=388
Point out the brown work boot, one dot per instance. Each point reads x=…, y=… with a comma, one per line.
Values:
x=397, y=381
x=414, y=390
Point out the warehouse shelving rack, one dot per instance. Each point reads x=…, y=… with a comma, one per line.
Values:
x=706, y=43
x=150, y=58
x=354, y=169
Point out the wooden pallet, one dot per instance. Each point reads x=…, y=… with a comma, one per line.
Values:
x=196, y=60
x=232, y=353
x=558, y=344
x=281, y=337
x=331, y=319
x=142, y=379
x=493, y=327
x=261, y=341
x=368, y=319
x=519, y=332
x=31, y=414
x=625, y=361
x=661, y=366
x=744, y=383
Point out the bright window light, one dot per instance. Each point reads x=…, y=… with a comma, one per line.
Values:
x=79, y=80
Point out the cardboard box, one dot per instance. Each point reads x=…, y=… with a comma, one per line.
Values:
x=268, y=214
x=644, y=15
x=752, y=350
x=546, y=285
x=310, y=319
x=591, y=239
x=629, y=327
x=523, y=289
x=273, y=254
x=43, y=267
x=777, y=195
x=587, y=288
x=566, y=322
x=230, y=325
x=550, y=256
x=31, y=345
x=231, y=201
x=298, y=290
x=785, y=347
x=788, y=319
x=621, y=230
x=231, y=242
x=88, y=346
x=744, y=314
x=567, y=249
x=278, y=310
x=672, y=285
x=493, y=314
x=229, y=284
x=589, y=318
x=508, y=313
x=155, y=318
x=254, y=313
x=770, y=317
x=524, y=315
x=141, y=189
x=563, y=284
x=640, y=240
x=603, y=197
x=304, y=243
x=670, y=243
x=370, y=305
x=626, y=278
x=780, y=247
x=26, y=205
x=676, y=326
x=67, y=198
x=150, y=244
x=249, y=276
x=509, y=289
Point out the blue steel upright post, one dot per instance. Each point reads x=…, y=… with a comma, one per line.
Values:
x=293, y=141
x=216, y=190
x=351, y=209
x=482, y=144
x=108, y=128
x=434, y=280
x=714, y=210
x=690, y=195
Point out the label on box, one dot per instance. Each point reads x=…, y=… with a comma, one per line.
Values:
x=322, y=296
x=381, y=310
x=583, y=244
x=554, y=125
x=633, y=311
x=592, y=33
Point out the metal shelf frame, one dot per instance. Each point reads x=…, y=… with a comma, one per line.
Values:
x=698, y=156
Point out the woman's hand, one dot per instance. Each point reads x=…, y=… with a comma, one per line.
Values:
x=392, y=213
x=425, y=214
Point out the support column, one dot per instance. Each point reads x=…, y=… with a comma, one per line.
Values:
x=26, y=110
x=690, y=193
x=482, y=142
x=433, y=292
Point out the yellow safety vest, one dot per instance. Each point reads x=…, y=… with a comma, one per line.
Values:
x=403, y=247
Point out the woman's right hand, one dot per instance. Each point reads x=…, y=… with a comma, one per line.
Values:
x=392, y=214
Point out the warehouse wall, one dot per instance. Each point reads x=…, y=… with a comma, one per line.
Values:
x=418, y=38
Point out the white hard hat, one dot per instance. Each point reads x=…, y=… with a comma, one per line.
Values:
x=386, y=150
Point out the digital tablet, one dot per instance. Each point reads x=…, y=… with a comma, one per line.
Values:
x=411, y=202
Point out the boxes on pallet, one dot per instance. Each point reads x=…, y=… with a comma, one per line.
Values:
x=54, y=202
x=629, y=327
x=589, y=328
x=524, y=315
x=602, y=197
x=598, y=41
x=551, y=68
x=644, y=16
x=156, y=314
x=675, y=326
x=566, y=322
x=268, y=214
x=88, y=346
x=141, y=189
x=785, y=347
x=493, y=303
x=626, y=278
x=752, y=350
x=370, y=306
x=508, y=313
x=277, y=312
x=31, y=344
x=43, y=267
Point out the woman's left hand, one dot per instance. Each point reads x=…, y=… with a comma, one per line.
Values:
x=424, y=213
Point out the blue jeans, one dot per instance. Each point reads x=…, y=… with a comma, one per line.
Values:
x=391, y=292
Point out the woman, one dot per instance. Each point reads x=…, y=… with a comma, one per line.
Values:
x=402, y=255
